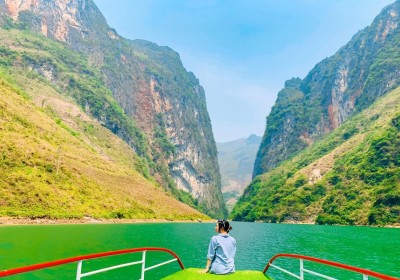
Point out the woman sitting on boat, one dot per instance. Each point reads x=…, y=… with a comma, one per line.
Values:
x=222, y=250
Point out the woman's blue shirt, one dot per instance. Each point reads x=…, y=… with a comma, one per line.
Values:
x=221, y=252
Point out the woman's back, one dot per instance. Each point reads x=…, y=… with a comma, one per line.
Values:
x=221, y=251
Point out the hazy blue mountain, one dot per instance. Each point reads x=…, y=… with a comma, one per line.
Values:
x=236, y=161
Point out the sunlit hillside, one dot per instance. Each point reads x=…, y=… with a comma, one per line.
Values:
x=352, y=176
x=57, y=162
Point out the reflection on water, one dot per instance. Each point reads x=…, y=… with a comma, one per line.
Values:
x=372, y=248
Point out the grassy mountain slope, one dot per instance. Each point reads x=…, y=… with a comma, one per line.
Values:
x=337, y=88
x=137, y=89
x=58, y=162
x=48, y=71
x=351, y=176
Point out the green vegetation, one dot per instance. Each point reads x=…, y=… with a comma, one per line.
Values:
x=136, y=89
x=291, y=115
x=359, y=183
x=59, y=164
x=172, y=82
x=373, y=170
x=198, y=274
x=69, y=73
x=327, y=155
x=337, y=88
x=161, y=138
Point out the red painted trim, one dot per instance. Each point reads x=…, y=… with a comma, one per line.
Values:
x=86, y=257
x=334, y=264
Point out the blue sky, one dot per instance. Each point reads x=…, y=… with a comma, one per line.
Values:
x=243, y=51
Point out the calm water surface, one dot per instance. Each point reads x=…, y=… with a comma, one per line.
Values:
x=371, y=248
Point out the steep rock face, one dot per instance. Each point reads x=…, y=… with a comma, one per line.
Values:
x=149, y=83
x=339, y=86
x=54, y=18
x=176, y=105
x=64, y=164
x=348, y=177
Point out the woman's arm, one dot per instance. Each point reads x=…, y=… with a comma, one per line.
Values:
x=212, y=247
x=207, y=266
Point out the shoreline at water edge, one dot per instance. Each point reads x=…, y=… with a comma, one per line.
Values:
x=7, y=221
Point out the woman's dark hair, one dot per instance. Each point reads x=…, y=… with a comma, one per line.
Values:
x=224, y=224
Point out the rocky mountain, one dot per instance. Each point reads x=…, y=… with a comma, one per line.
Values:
x=236, y=162
x=136, y=89
x=330, y=150
x=349, y=177
x=337, y=88
x=58, y=162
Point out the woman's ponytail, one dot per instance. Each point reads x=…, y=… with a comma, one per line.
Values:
x=224, y=224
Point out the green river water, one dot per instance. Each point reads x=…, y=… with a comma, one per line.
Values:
x=376, y=249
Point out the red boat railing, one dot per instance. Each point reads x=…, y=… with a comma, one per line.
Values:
x=80, y=259
x=364, y=272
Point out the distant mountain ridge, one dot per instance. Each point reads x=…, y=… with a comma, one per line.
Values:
x=330, y=153
x=236, y=161
x=138, y=90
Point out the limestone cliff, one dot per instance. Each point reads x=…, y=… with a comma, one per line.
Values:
x=329, y=154
x=171, y=128
x=339, y=86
